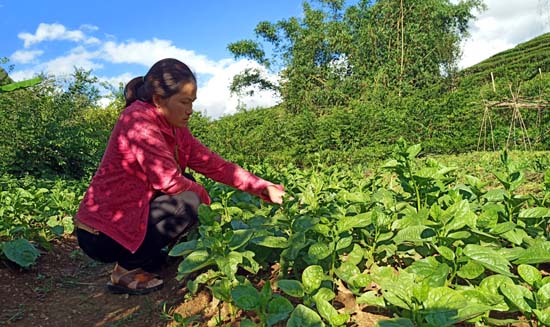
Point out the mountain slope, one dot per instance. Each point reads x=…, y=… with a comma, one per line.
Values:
x=519, y=63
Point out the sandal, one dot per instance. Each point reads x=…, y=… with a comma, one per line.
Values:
x=135, y=282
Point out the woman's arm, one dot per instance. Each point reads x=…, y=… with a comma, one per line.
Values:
x=211, y=165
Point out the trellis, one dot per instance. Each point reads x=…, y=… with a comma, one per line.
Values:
x=515, y=103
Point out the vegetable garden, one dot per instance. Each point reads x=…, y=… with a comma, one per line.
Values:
x=415, y=241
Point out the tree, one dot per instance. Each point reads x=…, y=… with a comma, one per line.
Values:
x=336, y=54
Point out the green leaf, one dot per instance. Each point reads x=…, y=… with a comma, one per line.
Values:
x=304, y=223
x=515, y=236
x=58, y=230
x=413, y=151
x=535, y=213
x=397, y=286
x=18, y=85
x=319, y=251
x=492, y=284
x=229, y=264
x=330, y=314
x=416, y=234
x=543, y=296
x=445, y=252
x=324, y=294
x=277, y=242
x=291, y=287
x=495, y=195
x=536, y=253
x=361, y=280
x=457, y=216
x=344, y=242
x=515, y=293
x=442, y=306
x=312, y=277
x=347, y=223
x=503, y=228
x=529, y=274
x=249, y=263
x=471, y=270
x=489, y=258
x=356, y=255
x=247, y=323
x=346, y=271
x=431, y=271
x=265, y=294
x=20, y=251
x=371, y=298
x=461, y=235
x=203, y=278
x=195, y=261
x=239, y=238
x=444, y=298
x=396, y=322
x=183, y=248
x=481, y=297
x=543, y=316
x=303, y=316
x=246, y=297
x=278, y=309
x=221, y=289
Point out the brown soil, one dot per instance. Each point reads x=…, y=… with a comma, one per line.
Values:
x=66, y=288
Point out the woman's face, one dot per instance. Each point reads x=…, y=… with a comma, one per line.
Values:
x=178, y=108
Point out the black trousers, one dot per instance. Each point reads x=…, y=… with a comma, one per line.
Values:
x=170, y=216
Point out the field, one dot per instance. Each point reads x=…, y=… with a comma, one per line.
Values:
x=414, y=241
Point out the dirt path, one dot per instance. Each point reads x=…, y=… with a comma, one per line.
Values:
x=66, y=288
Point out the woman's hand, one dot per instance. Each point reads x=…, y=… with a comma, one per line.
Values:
x=274, y=193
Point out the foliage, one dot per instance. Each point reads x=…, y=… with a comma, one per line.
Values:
x=35, y=210
x=335, y=54
x=14, y=86
x=416, y=239
x=48, y=130
x=21, y=252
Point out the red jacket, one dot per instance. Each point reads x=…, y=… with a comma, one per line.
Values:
x=140, y=160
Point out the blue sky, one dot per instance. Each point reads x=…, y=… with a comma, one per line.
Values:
x=118, y=39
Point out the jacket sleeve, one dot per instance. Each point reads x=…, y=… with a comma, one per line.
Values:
x=211, y=165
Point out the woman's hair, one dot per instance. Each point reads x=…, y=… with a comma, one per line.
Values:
x=164, y=79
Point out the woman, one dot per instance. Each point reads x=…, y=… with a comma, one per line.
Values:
x=139, y=201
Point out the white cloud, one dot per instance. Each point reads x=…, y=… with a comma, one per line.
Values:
x=24, y=57
x=88, y=27
x=21, y=75
x=215, y=100
x=50, y=32
x=503, y=25
x=150, y=51
x=61, y=66
x=78, y=57
x=214, y=77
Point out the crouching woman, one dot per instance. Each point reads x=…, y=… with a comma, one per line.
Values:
x=139, y=200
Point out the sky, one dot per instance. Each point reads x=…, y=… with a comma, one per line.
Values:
x=119, y=39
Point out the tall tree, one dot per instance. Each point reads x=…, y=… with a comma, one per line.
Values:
x=335, y=54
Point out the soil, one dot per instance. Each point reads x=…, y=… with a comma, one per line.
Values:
x=66, y=288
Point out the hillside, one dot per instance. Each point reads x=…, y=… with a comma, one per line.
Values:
x=521, y=62
x=448, y=122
